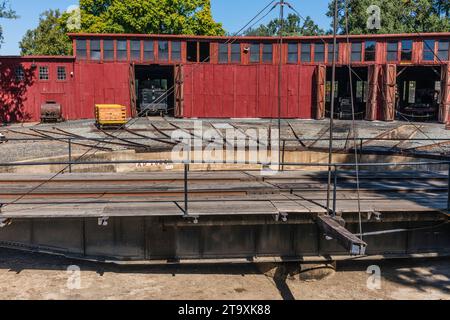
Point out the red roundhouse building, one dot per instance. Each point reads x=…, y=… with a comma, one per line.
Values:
x=393, y=76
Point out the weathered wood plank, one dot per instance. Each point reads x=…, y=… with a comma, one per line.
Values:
x=335, y=230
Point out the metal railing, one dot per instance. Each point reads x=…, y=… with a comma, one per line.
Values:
x=334, y=166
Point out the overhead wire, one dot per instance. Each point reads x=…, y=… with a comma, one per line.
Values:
x=354, y=130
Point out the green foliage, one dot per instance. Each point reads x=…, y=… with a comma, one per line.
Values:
x=399, y=16
x=6, y=13
x=191, y=17
x=292, y=26
x=49, y=38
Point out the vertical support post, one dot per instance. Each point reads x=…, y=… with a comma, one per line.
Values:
x=332, y=107
x=335, y=190
x=448, y=190
x=280, y=74
x=186, y=200
x=283, y=157
x=70, y=155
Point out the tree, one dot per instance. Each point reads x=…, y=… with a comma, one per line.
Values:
x=292, y=26
x=399, y=16
x=191, y=17
x=49, y=38
x=6, y=13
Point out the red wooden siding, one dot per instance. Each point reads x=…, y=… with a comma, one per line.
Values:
x=20, y=101
x=444, y=113
x=233, y=91
x=98, y=83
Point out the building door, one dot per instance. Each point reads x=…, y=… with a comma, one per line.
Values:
x=390, y=88
x=179, y=94
x=132, y=84
x=321, y=79
x=444, y=110
x=372, y=95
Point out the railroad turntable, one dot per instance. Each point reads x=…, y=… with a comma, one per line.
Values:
x=242, y=216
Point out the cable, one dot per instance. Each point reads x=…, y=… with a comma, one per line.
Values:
x=358, y=190
x=333, y=89
x=133, y=120
x=382, y=232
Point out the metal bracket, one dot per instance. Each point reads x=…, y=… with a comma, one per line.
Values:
x=103, y=221
x=192, y=219
x=377, y=216
x=5, y=222
x=283, y=217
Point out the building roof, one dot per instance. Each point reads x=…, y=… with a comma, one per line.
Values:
x=253, y=38
x=37, y=58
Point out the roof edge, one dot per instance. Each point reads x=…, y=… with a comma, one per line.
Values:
x=172, y=36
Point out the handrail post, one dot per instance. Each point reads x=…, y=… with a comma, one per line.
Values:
x=335, y=190
x=186, y=200
x=70, y=155
x=448, y=190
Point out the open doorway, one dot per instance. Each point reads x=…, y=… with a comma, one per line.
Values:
x=342, y=98
x=418, y=94
x=154, y=94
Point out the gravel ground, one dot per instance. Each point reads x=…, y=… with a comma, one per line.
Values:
x=305, y=129
x=35, y=276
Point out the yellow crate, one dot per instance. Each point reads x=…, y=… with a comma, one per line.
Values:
x=110, y=114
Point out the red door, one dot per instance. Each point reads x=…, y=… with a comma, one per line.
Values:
x=371, y=105
x=321, y=78
x=390, y=86
x=444, y=110
x=179, y=94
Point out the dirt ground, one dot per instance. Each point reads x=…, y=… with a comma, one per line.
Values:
x=36, y=276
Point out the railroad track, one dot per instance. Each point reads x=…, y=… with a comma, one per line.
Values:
x=388, y=188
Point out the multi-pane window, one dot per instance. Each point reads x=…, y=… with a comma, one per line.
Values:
x=43, y=73
x=407, y=50
x=392, y=51
x=267, y=54
x=96, y=52
x=331, y=50
x=254, y=52
x=443, y=50
x=176, y=51
x=19, y=73
x=292, y=52
x=163, y=50
x=356, y=51
x=122, y=53
x=223, y=52
x=135, y=50
x=61, y=73
x=81, y=49
x=149, y=50
x=236, y=52
x=319, y=52
x=428, y=50
x=108, y=50
x=306, y=52
x=370, y=49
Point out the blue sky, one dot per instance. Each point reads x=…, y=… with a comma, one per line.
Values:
x=234, y=14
